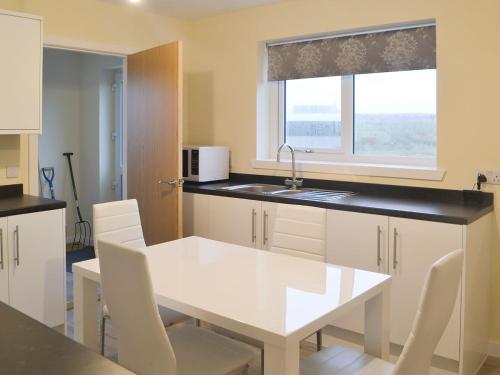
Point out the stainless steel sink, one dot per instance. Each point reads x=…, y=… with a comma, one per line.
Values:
x=287, y=192
x=318, y=195
x=314, y=194
x=253, y=188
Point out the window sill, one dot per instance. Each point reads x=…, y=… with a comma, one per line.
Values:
x=357, y=169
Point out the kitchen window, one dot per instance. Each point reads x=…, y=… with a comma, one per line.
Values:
x=366, y=98
x=387, y=118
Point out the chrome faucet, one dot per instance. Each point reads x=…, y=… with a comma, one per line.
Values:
x=294, y=182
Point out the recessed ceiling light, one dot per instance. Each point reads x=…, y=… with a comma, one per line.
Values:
x=135, y=1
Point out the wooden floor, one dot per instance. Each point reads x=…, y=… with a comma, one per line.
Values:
x=492, y=367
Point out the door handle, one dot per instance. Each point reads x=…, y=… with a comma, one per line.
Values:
x=16, y=233
x=172, y=182
x=1, y=249
x=379, y=258
x=264, y=230
x=254, y=235
x=395, y=249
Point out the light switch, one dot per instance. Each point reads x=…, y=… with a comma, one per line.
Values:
x=12, y=172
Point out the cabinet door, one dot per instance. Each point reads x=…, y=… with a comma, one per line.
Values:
x=195, y=214
x=356, y=240
x=268, y=219
x=4, y=262
x=414, y=246
x=20, y=73
x=37, y=265
x=236, y=221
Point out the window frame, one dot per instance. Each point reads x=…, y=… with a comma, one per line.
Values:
x=345, y=154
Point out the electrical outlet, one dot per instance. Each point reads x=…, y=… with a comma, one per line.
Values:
x=492, y=176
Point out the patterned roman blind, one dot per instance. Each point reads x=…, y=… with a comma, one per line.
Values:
x=385, y=51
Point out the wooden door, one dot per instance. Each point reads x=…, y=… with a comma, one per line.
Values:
x=154, y=134
x=4, y=262
x=36, y=265
x=357, y=240
x=415, y=245
x=235, y=221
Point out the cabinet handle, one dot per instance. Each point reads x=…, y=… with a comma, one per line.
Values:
x=395, y=248
x=16, y=233
x=254, y=235
x=264, y=240
x=1, y=248
x=379, y=258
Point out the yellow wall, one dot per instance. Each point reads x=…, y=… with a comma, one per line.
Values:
x=99, y=25
x=221, y=64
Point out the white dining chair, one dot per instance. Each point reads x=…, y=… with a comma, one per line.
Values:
x=436, y=306
x=298, y=231
x=144, y=345
x=120, y=222
x=301, y=231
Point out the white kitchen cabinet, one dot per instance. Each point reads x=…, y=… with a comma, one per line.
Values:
x=36, y=265
x=20, y=73
x=359, y=241
x=236, y=221
x=4, y=262
x=195, y=215
x=407, y=249
x=414, y=246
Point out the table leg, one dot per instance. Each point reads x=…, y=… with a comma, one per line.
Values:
x=377, y=315
x=281, y=360
x=85, y=311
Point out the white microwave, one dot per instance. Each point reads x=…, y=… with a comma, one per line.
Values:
x=205, y=163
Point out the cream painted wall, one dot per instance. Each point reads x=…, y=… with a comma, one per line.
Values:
x=221, y=65
x=101, y=26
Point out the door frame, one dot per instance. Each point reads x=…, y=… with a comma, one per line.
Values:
x=33, y=172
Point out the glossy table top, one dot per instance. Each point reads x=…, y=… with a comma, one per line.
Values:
x=251, y=291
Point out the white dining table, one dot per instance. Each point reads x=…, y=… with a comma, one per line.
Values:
x=277, y=299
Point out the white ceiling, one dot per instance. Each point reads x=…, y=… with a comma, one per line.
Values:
x=193, y=8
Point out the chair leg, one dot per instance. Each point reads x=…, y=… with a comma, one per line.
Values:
x=262, y=361
x=319, y=340
x=103, y=333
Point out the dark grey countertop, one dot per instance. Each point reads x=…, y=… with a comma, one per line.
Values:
x=14, y=202
x=28, y=347
x=440, y=205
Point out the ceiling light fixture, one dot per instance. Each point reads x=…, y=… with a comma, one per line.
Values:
x=135, y=1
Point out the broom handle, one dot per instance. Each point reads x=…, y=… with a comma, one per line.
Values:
x=68, y=155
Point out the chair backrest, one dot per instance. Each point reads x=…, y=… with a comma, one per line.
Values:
x=118, y=222
x=143, y=345
x=300, y=231
x=436, y=306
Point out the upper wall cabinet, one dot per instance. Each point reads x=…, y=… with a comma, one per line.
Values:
x=20, y=73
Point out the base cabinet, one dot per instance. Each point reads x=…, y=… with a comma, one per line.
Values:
x=402, y=248
x=238, y=221
x=4, y=262
x=34, y=257
x=235, y=221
